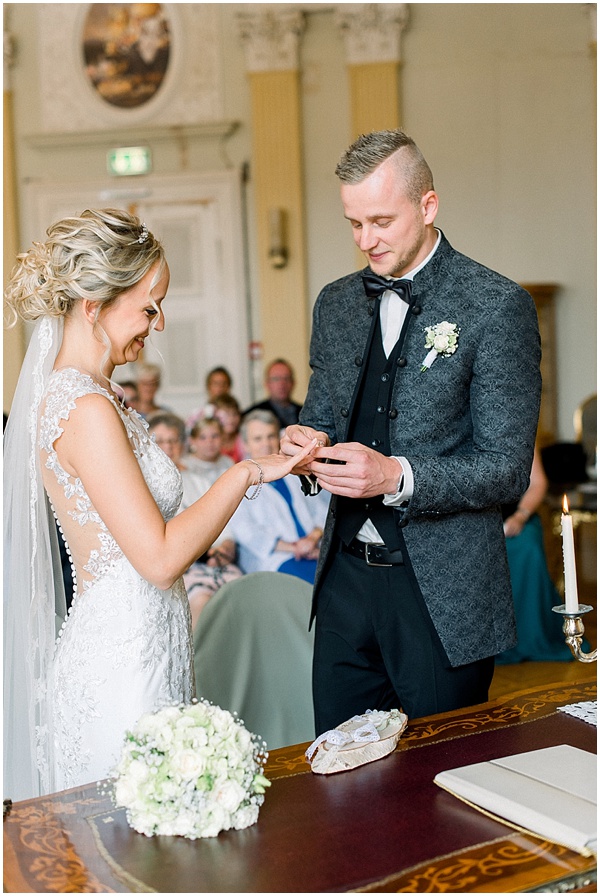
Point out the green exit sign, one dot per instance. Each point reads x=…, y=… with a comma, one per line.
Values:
x=128, y=160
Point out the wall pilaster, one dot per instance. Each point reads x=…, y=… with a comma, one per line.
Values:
x=271, y=39
x=372, y=34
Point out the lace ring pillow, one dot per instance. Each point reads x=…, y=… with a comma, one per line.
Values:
x=361, y=739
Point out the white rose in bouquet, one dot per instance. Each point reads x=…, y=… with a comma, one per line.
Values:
x=190, y=770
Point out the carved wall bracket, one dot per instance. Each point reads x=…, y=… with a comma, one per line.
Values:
x=372, y=32
x=271, y=37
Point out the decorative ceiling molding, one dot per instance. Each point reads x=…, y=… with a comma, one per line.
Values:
x=270, y=35
x=372, y=31
x=192, y=90
x=216, y=130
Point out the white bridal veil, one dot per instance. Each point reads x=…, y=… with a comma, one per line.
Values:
x=34, y=599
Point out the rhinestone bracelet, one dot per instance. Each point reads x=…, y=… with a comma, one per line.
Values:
x=259, y=484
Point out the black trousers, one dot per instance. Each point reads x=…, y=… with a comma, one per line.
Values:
x=376, y=648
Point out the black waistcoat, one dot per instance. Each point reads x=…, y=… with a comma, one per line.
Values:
x=369, y=425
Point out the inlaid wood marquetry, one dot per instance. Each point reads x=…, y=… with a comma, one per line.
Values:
x=384, y=827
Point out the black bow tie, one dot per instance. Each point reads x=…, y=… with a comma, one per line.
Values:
x=376, y=285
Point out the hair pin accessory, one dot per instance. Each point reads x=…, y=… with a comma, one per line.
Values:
x=143, y=234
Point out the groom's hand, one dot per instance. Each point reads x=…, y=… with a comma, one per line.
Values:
x=297, y=437
x=356, y=471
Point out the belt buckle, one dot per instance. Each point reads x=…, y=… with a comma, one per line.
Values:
x=369, y=562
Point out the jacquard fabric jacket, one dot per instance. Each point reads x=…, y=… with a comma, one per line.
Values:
x=467, y=427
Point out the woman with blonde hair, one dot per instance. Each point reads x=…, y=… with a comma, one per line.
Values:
x=95, y=288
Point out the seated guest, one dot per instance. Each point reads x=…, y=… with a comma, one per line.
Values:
x=148, y=384
x=280, y=530
x=539, y=630
x=227, y=411
x=279, y=384
x=218, y=382
x=216, y=567
x=205, y=443
x=128, y=393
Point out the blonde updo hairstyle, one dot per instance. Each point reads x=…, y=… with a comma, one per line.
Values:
x=96, y=256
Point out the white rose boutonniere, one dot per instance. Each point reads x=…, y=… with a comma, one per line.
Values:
x=442, y=339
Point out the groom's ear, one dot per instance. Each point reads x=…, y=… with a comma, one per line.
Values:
x=429, y=206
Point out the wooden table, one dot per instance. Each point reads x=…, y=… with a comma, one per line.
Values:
x=380, y=828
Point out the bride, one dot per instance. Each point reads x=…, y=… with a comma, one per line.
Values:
x=73, y=452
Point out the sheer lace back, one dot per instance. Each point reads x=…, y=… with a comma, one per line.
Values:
x=93, y=550
x=126, y=646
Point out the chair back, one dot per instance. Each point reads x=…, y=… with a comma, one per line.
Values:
x=253, y=655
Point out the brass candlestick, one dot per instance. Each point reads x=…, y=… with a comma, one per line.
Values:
x=573, y=630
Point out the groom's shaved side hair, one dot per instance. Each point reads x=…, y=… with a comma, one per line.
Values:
x=370, y=150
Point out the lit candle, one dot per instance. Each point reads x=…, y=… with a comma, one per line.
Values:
x=571, y=599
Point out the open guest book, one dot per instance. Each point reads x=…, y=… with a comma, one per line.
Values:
x=549, y=792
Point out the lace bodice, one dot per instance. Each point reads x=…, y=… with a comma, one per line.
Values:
x=93, y=550
x=126, y=645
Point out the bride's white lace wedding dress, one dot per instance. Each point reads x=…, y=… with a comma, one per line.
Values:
x=126, y=646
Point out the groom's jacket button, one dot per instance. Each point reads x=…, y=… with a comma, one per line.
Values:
x=344, y=412
x=401, y=362
x=358, y=361
x=416, y=309
x=393, y=414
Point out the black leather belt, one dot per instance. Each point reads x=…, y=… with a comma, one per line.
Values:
x=373, y=554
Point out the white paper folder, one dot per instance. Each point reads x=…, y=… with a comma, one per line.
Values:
x=549, y=792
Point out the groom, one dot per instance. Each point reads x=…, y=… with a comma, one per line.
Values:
x=425, y=393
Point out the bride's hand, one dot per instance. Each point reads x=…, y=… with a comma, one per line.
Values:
x=295, y=438
x=276, y=466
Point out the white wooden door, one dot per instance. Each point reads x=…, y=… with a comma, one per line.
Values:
x=198, y=220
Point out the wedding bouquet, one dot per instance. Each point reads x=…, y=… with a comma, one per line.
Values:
x=192, y=770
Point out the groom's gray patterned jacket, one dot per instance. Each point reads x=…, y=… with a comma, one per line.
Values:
x=467, y=427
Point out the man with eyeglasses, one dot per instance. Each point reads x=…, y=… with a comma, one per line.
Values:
x=279, y=384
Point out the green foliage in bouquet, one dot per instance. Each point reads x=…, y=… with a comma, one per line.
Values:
x=190, y=770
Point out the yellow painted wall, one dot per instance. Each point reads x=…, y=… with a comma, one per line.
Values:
x=278, y=184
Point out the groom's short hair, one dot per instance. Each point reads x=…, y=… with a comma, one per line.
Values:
x=368, y=152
